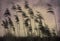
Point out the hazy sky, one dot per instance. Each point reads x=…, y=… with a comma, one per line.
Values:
x=6, y=3
x=35, y=3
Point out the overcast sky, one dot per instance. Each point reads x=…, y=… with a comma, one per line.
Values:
x=6, y=3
